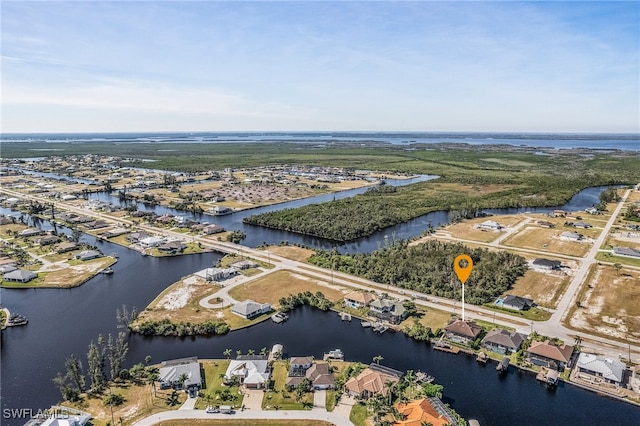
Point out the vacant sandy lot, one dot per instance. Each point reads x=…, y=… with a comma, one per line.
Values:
x=548, y=240
x=609, y=305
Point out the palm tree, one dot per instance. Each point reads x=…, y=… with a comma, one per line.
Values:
x=227, y=353
x=238, y=352
x=578, y=342
x=182, y=379
x=263, y=351
x=153, y=377
x=409, y=380
x=251, y=352
x=377, y=359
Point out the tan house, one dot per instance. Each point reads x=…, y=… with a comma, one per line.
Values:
x=462, y=331
x=372, y=380
x=358, y=299
x=425, y=411
x=548, y=355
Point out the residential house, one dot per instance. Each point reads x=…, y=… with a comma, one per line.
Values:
x=490, y=225
x=558, y=213
x=97, y=224
x=547, y=264
x=425, y=411
x=217, y=274
x=7, y=268
x=66, y=247
x=583, y=225
x=462, y=331
x=546, y=224
x=571, y=236
x=20, y=276
x=320, y=376
x=390, y=310
x=372, y=380
x=30, y=232
x=358, y=299
x=250, y=309
x=298, y=366
x=47, y=240
x=515, y=302
x=6, y=220
x=626, y=251
x=135, y=237
x=548, y=355
x=244, y=264
x=87, y=255
x=151, y=242
x=251, y=371
x=212, y=229
x=172, y=373
x=172, y=247
x=503, y=341
x=605, y=369
x=592, y=210
x=115, y=232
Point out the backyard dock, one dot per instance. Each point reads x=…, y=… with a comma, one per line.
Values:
x=344, y=316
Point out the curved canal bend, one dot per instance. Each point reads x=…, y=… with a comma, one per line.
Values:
x=63, y=321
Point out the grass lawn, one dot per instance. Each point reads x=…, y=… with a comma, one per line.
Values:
x=429, y=317
x=623, y=260
x=139, y=402
x=609, y=304
x=291, y=252
x=548, y=240
x=247, y=422
x=77, y=273
x=215, y=392
x=358, y=415
x=280, y=397
x=542, y=287
x=534, y=314
x=272, y=287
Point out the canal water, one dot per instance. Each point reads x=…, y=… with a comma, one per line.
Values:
x=64, y=321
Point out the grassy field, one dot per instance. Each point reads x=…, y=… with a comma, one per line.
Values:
x=280, y=397
x=358, y=415
x=215, y=392
x=291, y=252
x=609, y=304
x=547, y=240
x=542, y=287
x=428, y=317
x=272, y=287
x=623, y=260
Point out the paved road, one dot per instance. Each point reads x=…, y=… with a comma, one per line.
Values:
x=334, y=418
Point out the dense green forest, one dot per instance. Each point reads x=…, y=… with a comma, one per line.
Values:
x=428, y=268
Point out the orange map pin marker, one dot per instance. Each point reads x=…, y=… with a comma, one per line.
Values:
x=463, y=272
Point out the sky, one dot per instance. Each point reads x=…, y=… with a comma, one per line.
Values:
x=503, y=66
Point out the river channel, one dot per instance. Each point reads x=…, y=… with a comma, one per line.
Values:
x=63, y=321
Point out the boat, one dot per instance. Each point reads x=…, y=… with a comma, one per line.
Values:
x=279, y=317
x=220, y=210
x=365, y=324
x=344, y=316
x=107, y=271
x=336, y=354
x=482, y=358
x=503, y=365
x=17, y=319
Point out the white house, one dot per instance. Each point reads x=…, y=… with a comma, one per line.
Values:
x=151, y=241
x=87, y=255
x=570, y=236
x=172, y=372
x=491, y=225
x=609, y=370
x=251, y=371
x=250, y=309
x=20, y=275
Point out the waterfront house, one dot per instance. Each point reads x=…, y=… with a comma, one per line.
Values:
x=515, y=302
x=250, y=309
x=172, y=247
x=47, y=240
x=244, y=264
x=217, y=274
x=425, y=411
x=462, y=331
x=571, y=236
x=320, y=376
x=358, y=299
x=151, y=242
x=7, y=268
x=97, y=224
x=503, y=341
x=547, y=355
x=212, y=229
x=252, y=371
x=87, y=255
x=583, y=225
x=30, y=232
x=372, y=380
x=600, y=368
x=546, y=264
x=490, y=225
x=6, y=220
x=546, y=224
x=592, y=210
x=172, y=373
x=298, y=366
x=626, y=251
x=20, y=276
x=390, y=310
x=135, y=237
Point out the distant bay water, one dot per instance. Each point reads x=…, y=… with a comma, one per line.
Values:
x=600, y=141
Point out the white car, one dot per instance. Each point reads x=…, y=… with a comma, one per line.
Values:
x=212, y=410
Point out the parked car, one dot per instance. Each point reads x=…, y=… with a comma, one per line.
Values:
x=211, y=410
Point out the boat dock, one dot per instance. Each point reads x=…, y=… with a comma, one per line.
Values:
x=365, y=324
x=279, y=317
x=344, y=316
x=335, y=354
x=482, y=358
x=445, y=347
x=548, y=376
x=503, y=365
